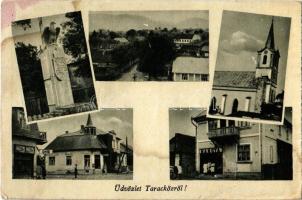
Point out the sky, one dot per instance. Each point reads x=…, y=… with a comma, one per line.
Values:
x=243, y=34
x=180, y=121
x=19, y=33
x=119, y=120
x=125, y=20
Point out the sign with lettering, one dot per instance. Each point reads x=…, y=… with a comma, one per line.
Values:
x=210, y=150
x=30, y=150
x=20, y=148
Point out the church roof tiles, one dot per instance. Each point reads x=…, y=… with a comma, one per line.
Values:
x=235, y=79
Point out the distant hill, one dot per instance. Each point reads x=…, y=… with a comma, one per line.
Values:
x=124, y=22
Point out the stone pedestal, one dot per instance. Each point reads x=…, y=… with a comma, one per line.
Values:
x=56, y=77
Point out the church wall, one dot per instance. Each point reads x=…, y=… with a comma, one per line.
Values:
x=231, y=96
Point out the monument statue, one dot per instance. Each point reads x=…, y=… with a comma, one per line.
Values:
x=55, y=71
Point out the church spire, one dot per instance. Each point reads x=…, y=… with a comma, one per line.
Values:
x=270, y=41
x=89, y=121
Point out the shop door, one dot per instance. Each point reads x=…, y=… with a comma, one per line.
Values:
x=285, y=161
x=23, y=165
x=211, y=156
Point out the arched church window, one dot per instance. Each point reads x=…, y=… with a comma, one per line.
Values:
x=235, y=106
x=264, y=59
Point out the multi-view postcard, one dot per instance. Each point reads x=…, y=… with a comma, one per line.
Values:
x=150, y=45
x=250, y=68
x=54, y=66
x=96, y=146
x=204, y=148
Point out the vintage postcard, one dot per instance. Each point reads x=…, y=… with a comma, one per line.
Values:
x=150, y=45
x=54, y=66
x=250, y=69
x=151, y=99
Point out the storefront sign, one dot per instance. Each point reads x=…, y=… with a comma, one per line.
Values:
x=24, y=149
x=211, y=150
x=20, y=148
x=30, y=150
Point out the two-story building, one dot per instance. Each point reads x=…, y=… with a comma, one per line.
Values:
x=91, y=149
x=25, y=139
x=239, y=149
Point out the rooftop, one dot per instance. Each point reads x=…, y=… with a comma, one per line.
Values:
x=238, y=79
x=76, y=142
x=191, y=65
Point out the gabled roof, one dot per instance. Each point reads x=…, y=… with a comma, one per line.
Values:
x=76, y=142
x=235, y=79
x=191, y=65
x=200, y=117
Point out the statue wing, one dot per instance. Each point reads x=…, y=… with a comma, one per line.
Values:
x=57, y=32
x=45, y=35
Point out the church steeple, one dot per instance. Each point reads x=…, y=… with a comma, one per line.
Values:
x=89, y=128
x=89, y=121
x=270, y=41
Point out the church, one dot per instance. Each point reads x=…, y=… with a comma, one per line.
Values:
x=250, y=94
x=90, y=149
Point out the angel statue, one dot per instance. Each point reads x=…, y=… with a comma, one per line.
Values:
x=50, y=34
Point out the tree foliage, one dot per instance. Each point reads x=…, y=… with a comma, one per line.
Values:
x=30, y=69
x=75, y=44
x=158, y=51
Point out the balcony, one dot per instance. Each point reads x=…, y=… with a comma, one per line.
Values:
x=224, y=135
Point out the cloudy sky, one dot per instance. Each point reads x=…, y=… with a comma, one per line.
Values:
x=119, y=120
x=180, y=121
x=125, y=20
x=243, y=34
x=31, y=35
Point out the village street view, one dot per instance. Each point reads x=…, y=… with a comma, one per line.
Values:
x=156, y=51
x=78, y=152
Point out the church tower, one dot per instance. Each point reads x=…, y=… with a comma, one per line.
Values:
x=90, y=128
x=267, y=67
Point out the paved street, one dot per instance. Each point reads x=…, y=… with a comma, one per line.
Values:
x=108, y=176
x=129, y=76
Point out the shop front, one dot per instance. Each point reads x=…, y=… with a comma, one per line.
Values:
x=211, y=160
x=23, y=163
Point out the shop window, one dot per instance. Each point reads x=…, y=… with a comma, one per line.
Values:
x=184, y=77
x=87, y=160
x=204, y=77
x=244, y=152
x=52, y=160
x=68, y=160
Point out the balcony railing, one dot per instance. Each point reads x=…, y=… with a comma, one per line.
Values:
x=223, y=132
